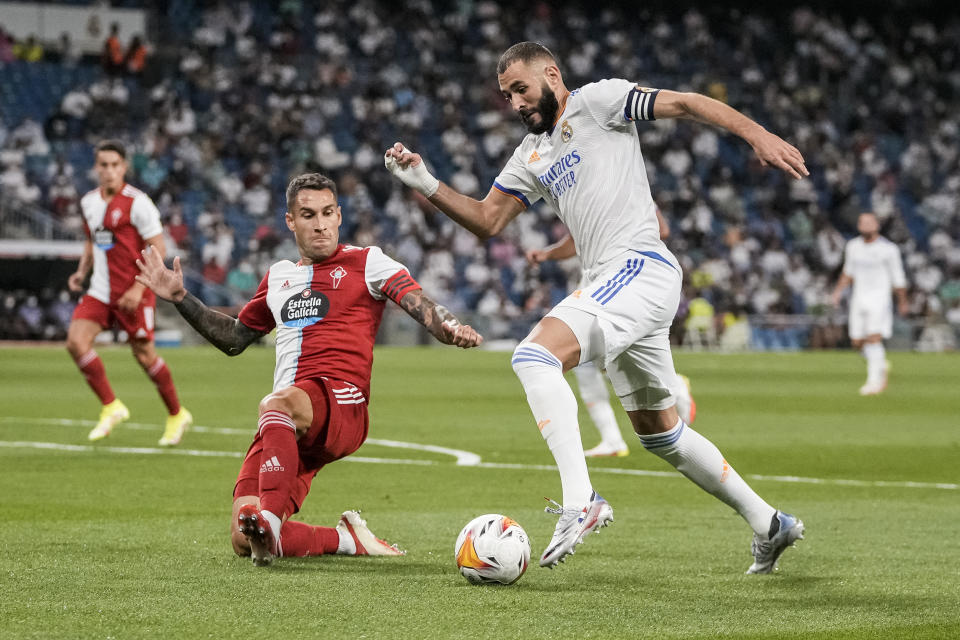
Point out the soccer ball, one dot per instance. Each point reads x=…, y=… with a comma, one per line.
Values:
x=492, y=549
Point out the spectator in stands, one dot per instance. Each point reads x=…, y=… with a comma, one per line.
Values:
x=135, y=59
x=64, y=52
x=29, y=50
x=342, y=97
x=6, y=47
x=112, y=56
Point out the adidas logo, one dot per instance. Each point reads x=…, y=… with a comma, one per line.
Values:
x=533, y=157
x=285, y=285
x=271, y=465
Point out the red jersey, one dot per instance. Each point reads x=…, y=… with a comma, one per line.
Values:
x=117, y=228
x=327, y=314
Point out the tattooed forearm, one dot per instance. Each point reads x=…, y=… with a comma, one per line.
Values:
x=431, y=315
x=225, y=333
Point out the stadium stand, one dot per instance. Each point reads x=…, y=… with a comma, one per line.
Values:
x=234, y=99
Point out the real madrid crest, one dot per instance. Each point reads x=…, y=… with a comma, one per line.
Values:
x=566, y=131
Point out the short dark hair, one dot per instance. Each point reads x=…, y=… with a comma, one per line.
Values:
x=110, y=145
x=316, y=181
x=525, y=52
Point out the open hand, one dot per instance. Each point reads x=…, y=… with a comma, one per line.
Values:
x=772, y=150
x=166, y=283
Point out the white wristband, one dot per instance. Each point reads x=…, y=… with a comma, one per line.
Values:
x=414, y=177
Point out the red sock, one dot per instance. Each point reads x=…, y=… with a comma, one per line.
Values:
x=159, y=372
x=279, y=462
x=299, y=540
x=91, y=366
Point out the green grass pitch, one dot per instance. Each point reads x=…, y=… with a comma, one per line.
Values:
x=101, y=541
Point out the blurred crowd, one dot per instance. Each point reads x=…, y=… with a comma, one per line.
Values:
x=254, y=97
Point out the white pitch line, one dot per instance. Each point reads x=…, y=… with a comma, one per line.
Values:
x=463, y=458
x=482, y=465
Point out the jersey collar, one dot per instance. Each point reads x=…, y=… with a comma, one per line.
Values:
x=563, y=108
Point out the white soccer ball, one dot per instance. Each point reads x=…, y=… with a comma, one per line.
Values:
x=492, y=549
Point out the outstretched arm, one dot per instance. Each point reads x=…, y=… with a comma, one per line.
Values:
x=770, y=148
x=484, y=218
x=225, y=333
x=441, y=324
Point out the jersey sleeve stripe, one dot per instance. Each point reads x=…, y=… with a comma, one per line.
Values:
x=398, y=285
x=513, y=193
x=639, y=104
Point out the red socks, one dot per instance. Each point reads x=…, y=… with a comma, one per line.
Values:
x=279, y=462
x=159, y=372
x=299, y=540
x=91, y=366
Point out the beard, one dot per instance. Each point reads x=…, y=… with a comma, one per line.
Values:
x=547, y=107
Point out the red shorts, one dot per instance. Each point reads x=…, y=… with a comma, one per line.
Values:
x=337, y=431
x=138, y=325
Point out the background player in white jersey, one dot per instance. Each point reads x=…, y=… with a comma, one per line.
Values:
x=590, y=380
x=582, y=156
x=119, y=221
x=872, y=264
x=326, y=309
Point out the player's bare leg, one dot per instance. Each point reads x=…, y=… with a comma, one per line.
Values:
x=80, y=337
x=539, y=362
x=663, y=433
x=178, y=418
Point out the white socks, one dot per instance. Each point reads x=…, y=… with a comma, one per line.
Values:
x=876, y=357
x=699, y=460
x=554, y=408
x=347, y=545
x=593, y=392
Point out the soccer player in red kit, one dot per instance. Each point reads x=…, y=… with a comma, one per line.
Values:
x=326, y=309
x=119, y=221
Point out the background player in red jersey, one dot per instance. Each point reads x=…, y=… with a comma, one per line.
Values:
x=119, y=221
x=326, y=309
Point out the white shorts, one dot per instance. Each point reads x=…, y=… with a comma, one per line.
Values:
x=622, y=320
x=869, y=320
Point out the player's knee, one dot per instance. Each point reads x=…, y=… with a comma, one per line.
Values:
x=277, y=401
x=531, y=356
x=74, y=347
x=77, y=346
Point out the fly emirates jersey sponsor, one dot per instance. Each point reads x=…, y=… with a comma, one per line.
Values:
x=117, y=229
x=327, y=314
x=589, y=169
x=876, y=270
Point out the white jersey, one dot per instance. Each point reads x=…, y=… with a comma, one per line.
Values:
x=876, y=270
x=589, y=169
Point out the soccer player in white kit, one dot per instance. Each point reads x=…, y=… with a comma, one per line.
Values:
x=590, y=382
x=582, y=156
x=872, y=264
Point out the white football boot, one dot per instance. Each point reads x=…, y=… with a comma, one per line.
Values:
x=785, y=529
x=367, y=543
x=573, y=525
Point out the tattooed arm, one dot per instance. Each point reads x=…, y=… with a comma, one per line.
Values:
x=225, y=333
x=441, y=324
